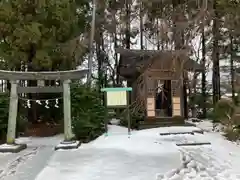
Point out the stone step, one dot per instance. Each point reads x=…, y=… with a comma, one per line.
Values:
x=160, y=122
x=156, y=124
x=194, y=144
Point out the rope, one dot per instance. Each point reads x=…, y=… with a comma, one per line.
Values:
x=26, y=99
x=41, y=102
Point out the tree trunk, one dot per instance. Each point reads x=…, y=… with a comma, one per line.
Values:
x=32, y=112
x=193, y=90
x=90, y=58
x=99, y=62
x=116, y=56
x=177, y=36
x=179, y=44
x=141, y=27
x=232, y=67
x=204, y=110
x=158, y=35
x=100, y=44
x=127, y=33
x=215, y=55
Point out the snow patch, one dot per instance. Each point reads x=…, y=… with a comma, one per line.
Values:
x=115, y=121
x=135, y=143
x=9, y=146
x=71, y=144
x=206, y=125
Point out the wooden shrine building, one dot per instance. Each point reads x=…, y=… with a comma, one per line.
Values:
x=158, y=81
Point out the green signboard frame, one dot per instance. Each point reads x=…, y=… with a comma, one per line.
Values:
x=117, y=98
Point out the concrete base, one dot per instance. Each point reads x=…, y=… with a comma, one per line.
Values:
x=68, y=145
x=12, y=148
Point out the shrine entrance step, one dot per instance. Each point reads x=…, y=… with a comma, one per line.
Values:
x=161, y=122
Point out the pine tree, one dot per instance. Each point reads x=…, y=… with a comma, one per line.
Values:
x=36, y=33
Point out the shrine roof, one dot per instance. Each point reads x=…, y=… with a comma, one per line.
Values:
x=130, y=59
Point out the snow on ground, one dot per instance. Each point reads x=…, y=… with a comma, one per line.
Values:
x=144, y=155
x=219, y=161
x=206, y=125
x=147, y=155
x=29, y=162
x=115, y=156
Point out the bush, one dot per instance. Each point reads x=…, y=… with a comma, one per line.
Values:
x=22, y=123
x=88, y=113
x=197, y=103
x=4, y=103
x=210, y=114
x=232, y=134
x=226, y=112
x=135, y=117
x=223, y=110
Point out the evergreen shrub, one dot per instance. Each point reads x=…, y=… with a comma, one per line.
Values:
x=88, y=112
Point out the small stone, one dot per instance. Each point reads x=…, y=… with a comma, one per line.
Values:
x=200, y=167
x=192, y=173
x=184, y=171
x=170, y=173
x=68, y=145
x=175, y=177
x=159, y=176
x=191, y=164
x=203, y=174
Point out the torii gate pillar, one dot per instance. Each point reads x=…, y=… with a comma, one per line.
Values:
x=12, y=118
x=68, y=135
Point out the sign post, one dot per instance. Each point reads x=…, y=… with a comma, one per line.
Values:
x=118, y=98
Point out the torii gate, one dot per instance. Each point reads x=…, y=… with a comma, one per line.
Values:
x=65, y=77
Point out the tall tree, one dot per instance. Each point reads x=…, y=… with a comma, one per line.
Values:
x=91, y=39
x=38, y=33
x=141, y=24
x=100, y=42
x=204, y=110
x=204, y=4
x=229, y=13
x=127, y=21
x=215, y=53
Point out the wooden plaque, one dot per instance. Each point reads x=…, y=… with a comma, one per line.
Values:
x=151, y=103
x=176, y=112
x=176, y=106
x=176, y=100
x=151, y=113
x=151, y=107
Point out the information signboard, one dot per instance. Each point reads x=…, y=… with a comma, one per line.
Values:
x=118, y=98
